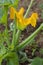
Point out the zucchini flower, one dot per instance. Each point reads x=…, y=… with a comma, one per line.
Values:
x=22, y=22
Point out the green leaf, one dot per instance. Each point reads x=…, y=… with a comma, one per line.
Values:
x=16, y=2
x=2, y=47
x=41, y=5
x=3, y=15
x=2, y=50
x=1, y=11
x=8, y=2
x=41, y=50
x=4, y=2
x=37, y=61
x=12, y=59
x=3, y=19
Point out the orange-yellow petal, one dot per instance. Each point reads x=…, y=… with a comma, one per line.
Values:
x=21, y=11
x=33, y=19
x=12, y=12
x=34, y=15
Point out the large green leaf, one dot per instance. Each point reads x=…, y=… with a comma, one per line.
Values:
x=3, y=19
x=4, y=2
x=3, y=14
x=37, y=61
x=7, y=2
x=2, y=50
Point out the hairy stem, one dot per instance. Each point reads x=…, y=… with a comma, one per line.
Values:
x=29, y=39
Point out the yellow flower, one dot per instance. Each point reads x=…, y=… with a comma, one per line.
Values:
x=22, y=22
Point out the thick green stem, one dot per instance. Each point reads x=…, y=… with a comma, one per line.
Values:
x=28, y=40
x=14, y=38
x=17, y=36
x=6, y=30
